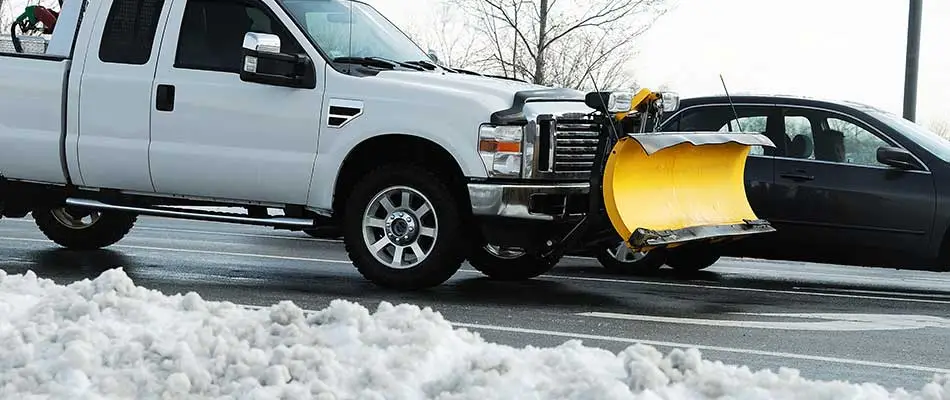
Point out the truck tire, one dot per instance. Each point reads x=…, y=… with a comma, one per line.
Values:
x=430, y=224
x=66, y=227
x=505, y=265
x=692, y=258
x=619, y=259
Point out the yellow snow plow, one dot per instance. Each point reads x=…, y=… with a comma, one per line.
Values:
x=663, y=189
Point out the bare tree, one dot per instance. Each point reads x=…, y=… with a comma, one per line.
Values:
x=557, y=42
x=448, y=35
x=940, y=127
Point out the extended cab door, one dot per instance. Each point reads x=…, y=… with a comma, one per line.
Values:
x=116, y=94
x=214, y=135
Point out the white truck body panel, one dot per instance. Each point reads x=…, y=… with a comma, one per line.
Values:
x=444, y=109
x=230, y=139
x=31, y=119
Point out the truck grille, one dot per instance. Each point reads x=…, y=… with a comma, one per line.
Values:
x=567, y=146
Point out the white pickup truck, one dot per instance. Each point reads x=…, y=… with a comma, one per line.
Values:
x=321, y=108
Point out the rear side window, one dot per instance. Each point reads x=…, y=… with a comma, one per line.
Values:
x=130, y=31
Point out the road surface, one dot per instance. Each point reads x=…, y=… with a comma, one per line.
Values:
x=831, y=322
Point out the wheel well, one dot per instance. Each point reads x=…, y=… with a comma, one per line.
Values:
x=396, y=148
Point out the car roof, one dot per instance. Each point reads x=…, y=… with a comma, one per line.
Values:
x=777, y=98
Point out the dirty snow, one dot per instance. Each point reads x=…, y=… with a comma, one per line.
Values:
x=109, y=339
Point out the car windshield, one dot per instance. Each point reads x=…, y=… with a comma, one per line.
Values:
x=936, y=144
x=346, y=28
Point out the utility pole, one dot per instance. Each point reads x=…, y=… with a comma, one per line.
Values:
x=913, y=60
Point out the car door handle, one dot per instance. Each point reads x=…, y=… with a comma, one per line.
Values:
x=798, y=176
x=165, y=98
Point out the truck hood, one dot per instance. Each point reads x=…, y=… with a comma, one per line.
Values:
x=495, y=93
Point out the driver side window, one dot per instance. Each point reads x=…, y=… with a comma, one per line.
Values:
x=212, y=34
x=857, y=145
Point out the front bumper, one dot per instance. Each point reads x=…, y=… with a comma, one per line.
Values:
x=540, y=202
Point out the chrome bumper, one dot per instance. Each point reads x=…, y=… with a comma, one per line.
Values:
x=515, y=201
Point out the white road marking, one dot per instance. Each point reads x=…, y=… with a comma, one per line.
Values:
x=303, y=236
x=211, y=252
x=834, y=322
x=562, y=277
x=867, y=291
x=744, y=289
x=658, y=343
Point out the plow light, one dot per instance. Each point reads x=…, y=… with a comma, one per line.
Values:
x=610, y=102
x=669, y=101
x=500, y=149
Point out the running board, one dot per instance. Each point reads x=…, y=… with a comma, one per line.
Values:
x=194, y=214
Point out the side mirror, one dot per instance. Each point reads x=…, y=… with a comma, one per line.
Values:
x=264, y=63
x=897, y=158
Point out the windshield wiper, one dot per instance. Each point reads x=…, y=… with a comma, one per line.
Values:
x=426, y=64
x=377, y=62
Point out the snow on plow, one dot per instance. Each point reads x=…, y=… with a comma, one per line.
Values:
x=665, y=189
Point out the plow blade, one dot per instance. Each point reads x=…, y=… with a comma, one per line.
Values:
x=666, y=189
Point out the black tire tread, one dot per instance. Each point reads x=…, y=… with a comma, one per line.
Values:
x=111, y=227
x=502, y=269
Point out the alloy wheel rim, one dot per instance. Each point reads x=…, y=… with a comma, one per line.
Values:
x=623, y=254
x=75, y=219
x=400, y=227
x=507, y=253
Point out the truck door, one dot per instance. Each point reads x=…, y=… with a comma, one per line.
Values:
x=214, y=135
x=115, y=91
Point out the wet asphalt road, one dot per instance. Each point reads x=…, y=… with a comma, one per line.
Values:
x=857, y=324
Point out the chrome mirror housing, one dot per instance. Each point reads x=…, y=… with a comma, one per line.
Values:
x=255, y=43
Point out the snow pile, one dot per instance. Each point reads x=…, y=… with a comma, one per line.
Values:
x=109, y=339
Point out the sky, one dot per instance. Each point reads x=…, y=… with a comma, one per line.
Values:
x=840, y=49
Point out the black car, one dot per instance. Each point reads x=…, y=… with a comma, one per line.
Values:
x=846, y=183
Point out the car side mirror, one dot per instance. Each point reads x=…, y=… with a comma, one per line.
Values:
x=264, y=63
x=897, y=158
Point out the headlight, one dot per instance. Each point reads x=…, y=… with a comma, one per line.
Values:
x=669, y=101
x=500, y=149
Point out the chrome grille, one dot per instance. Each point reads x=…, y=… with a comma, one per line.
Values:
x=575, y=144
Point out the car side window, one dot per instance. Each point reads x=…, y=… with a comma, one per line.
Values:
x=752, y=119
x=212, y=34
x=844, y=141
x=800, y=140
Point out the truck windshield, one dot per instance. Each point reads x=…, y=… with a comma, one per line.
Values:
x=346, y=28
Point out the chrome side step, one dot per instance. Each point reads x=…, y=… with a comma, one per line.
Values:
x=193, y=214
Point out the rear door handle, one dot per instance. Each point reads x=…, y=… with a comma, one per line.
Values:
x=798, y=176
x=165, y=98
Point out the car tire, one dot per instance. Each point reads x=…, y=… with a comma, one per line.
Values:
x=430, y=224
x=66, y=227
x=692, y=259
x=620, y=260
x=509, y=265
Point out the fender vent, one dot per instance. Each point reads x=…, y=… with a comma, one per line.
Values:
x=342, y=112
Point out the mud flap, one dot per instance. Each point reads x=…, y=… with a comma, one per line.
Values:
x=667, y=189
